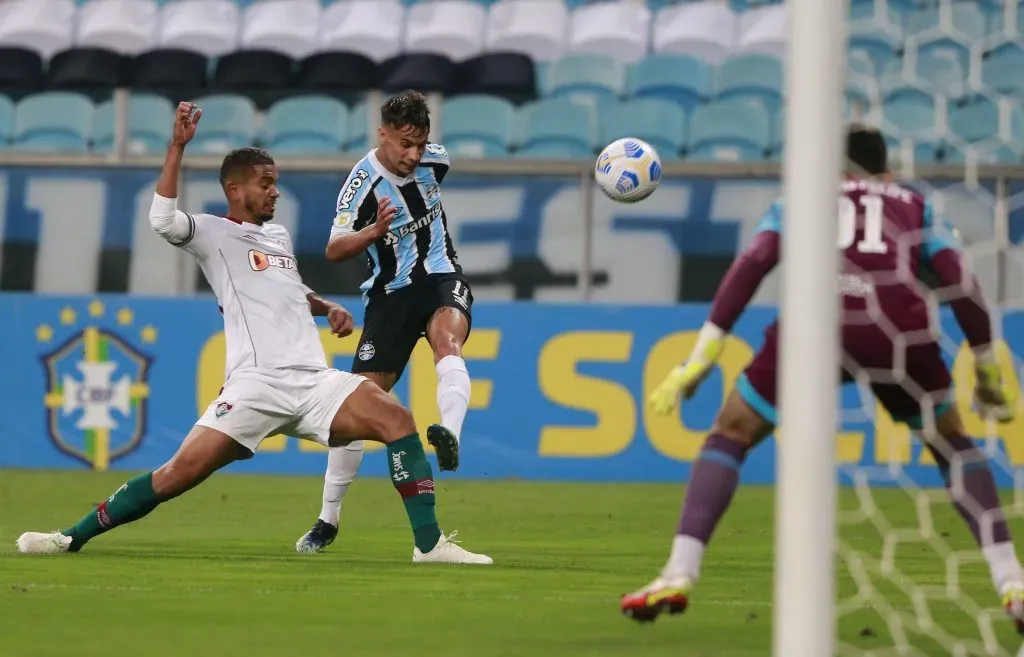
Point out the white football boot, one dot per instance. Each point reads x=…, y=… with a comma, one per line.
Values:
x=41, y=543
x=448, y=551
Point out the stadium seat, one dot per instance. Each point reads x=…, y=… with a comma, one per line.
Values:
x=684, y=80
x=1002, y=70
x=423, y=71
x=285, y=26
x=6, y=120
x=614, y=29
x=307, y=124
x=909, y=112
x=209, y=27
x=124, y=26
x=368, y=27
x=659, y=122
x=705, y=30
x=478, y=126
x=876, y=28
x=511, y=76
x=86, y=68
x=936, y=72
x=56, y=121
x=228, y=122
x=860, y=64
x=729, y=130
x=253, y=70
x=168, y=69
x=357, y=139
x=337, y=71
x=45, y=26
x=556, y=127
x=150, y=118
x=533, y=27
x=751, y=76
x=453, y=28
x=583, y=76
x=964, y=23
x=764, y=30
x=22, y=69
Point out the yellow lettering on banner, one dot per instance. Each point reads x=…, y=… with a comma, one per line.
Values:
x=482, y=345
x=611, y=402
x=667, y=433
x=1012, y=433
x=892, y=439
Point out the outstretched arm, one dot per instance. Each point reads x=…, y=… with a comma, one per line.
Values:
x=339, y=319
x=967, y=302
x=170, y=223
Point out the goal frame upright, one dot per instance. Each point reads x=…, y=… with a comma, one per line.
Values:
x=805, y=526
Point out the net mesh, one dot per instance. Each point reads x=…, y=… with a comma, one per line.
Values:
x=944, y=80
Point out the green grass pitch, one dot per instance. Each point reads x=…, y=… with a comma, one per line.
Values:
x=215, y=573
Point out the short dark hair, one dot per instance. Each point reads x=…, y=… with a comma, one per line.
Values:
x=866, y=150
x=240, y=162
x=407, y=108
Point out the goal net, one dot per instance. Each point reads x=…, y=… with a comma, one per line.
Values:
x=944, y=81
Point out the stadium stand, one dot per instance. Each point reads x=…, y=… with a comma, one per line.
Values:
x=561, y=73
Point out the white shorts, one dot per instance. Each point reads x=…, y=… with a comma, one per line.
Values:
x=257, y=403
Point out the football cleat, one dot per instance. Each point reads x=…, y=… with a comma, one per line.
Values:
x=316, y=539
x=43, y=543
x=448, y=550
x=665, y=594
x=1013, y=602
x=445, y=445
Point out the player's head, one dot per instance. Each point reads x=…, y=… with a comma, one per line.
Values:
x=404, y=126
x=866, y=153
x=249, y=178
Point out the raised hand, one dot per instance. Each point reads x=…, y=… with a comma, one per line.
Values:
x=385, y=215
x=186, y=118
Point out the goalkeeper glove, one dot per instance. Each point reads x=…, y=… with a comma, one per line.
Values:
x=684, y=379
x=993, y=399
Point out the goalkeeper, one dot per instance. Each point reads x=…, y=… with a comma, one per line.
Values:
x=886, y=232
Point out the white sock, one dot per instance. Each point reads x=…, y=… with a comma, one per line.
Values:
x=1003, y=564
x=687, y=553
x=342, y=465
x=453, y=389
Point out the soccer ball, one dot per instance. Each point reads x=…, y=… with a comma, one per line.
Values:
x=628, y=170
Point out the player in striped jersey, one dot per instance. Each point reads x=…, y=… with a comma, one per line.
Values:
x=390, y=207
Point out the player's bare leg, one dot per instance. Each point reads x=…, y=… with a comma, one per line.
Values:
x=342, y=465
x=973, y=491
x=370, y=413
x=203, y=452
x=737, y=429
x=446, y=332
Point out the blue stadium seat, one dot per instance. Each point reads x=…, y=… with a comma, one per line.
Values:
x=659, y=122
x=150, y=118
x=478, y=126
x=1001, y=70
x=556, y=127
x=6, y=120
x=357, y=139
x=974, y=121
x=936, y=72
x=228, y=122
x=684, y=80
x=598, y=77
x=729, y=130
x=307, y=124
x=751, y=76
x=55, y=121
x=859, y=63
x=969, y=26
x=911, y=113
x=878, y=32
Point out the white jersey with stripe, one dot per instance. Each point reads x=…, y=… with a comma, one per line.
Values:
x=253, y=272
x=418, y=244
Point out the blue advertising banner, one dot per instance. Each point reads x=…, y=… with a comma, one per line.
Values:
x=116, y=381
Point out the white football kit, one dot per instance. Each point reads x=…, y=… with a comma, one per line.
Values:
x=276, y=378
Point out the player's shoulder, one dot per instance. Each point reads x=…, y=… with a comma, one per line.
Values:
x=436, y=154
x=358, y=184
x=276, y=230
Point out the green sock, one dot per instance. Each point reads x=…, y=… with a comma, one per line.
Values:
x=414, y=480
x=131, y=501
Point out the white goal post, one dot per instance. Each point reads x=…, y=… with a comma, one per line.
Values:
x=805, y=525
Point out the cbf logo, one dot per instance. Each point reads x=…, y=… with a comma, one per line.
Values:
x=96, y=383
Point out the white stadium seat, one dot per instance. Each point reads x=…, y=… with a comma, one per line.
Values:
x=209, y=27
x=764, y=31
x=370, y=27
x=454, y=28
x=617, y=29
x=287, y=26
x=45, y=26
x=703, y=29
x=536, y=28
x=124, y=26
